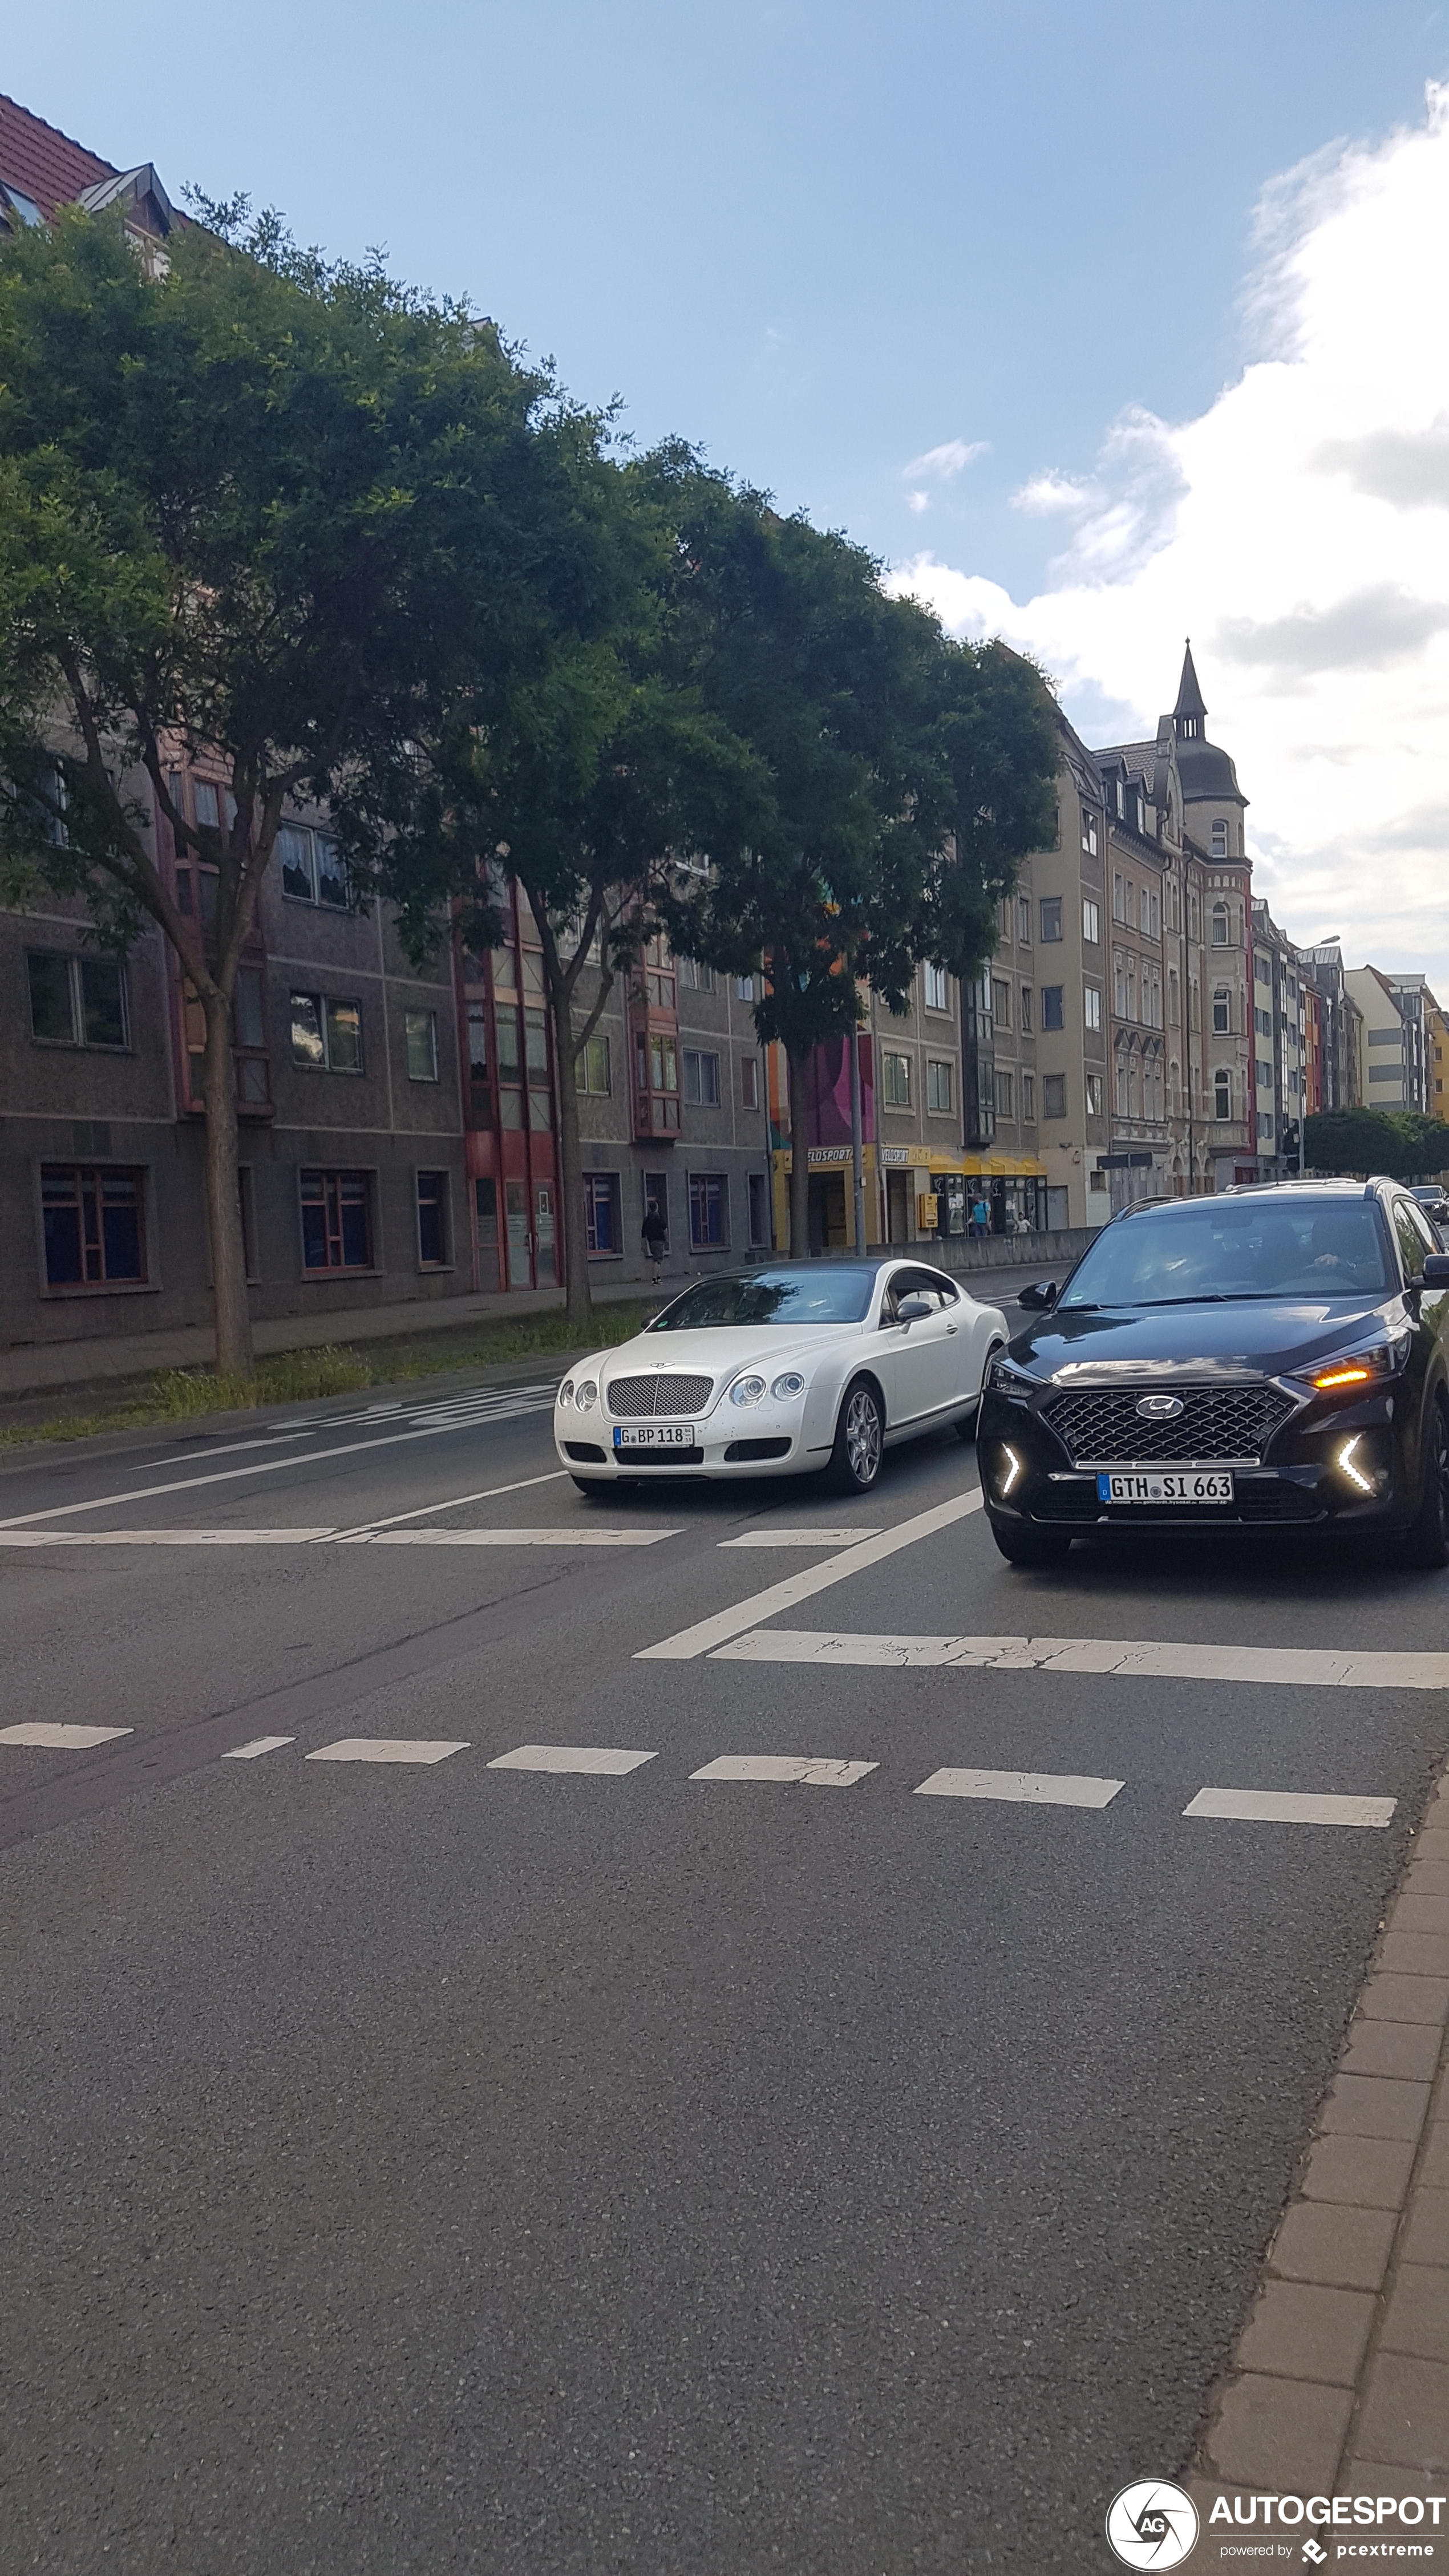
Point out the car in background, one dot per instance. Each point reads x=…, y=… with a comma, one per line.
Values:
x=1273, y=1357
x=1434, y=1202
x=794, y=1368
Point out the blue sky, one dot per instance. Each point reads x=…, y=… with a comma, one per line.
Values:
x=982, y=284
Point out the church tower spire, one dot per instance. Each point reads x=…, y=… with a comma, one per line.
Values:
x=1189, y=716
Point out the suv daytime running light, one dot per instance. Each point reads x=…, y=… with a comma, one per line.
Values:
x=1013, y=1468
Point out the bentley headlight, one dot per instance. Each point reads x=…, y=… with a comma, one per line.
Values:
x=747, y=1390
x=791, y=1384
x=585, y=1394
x=566, y=1391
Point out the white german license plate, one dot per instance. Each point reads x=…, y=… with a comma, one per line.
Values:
x=1169, y=1488
x=654, y=1435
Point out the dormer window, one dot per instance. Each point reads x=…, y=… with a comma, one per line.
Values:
x=1220, y=839
x=15, y=203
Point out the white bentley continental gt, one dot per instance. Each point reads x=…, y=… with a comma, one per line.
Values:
x=796, y=1368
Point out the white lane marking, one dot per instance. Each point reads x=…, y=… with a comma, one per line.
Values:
x=446, y=1414
x=798, y=1768
x=609, y=1758
x=385, y=1748
x=227, y=1475
x=259, y=1744
x=1144, y=1659
x=589, y=1537
x=163, y=1538
x=709, y=1633
x=62, y=1739
x=455, y=1503
x=1027, y=1788
x=800, y=1538
x=1289, y=1807
x=232, y=1449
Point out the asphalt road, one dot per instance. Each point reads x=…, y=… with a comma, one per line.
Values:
x=421, y=2166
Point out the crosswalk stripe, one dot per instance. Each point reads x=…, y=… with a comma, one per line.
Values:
x=710, y=1633
x=610, y=1759
x=259, y=1745
x=1146, y=1659
x=1028, y=1788
x=1289, y=1807
x=590, y=1535
x=768, y=1537
x=385, y=1748
x=797, y=1769
x=164, y=1538
x=62, y=1739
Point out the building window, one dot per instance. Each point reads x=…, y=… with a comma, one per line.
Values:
x=1263, y=1023
x=937, y=993
x=1091, y=921
x=1220, y=840
x=1222, y=1094
x=1096, y=1095
x=336, y=1221
x=595, y=1072
x=432, y=1220
x=1265, y=1125
x=422, y=1039
x=1003, y=1093
x=1053, y=1008
x=1263, y=1074
x=1028, y=1100
x=708, y=1211
x=759, y=1197
x=1222, y=1011
x=1025, y=1021
x=1001, y=1002
x=1262, y=970
x=744, y=988
x=941, y=1086
x=749, y=1082
x=1051, y=916
x=94, y=1226
x=77, y=1001
x=1220, y=925
x=326, y=1034
x=701, y=1078
x=1023, y=920
x=601, y=1213
x=895, y=1081
x=311, y=865
x=1091, y=1006
x=1089, y=834
x=1054, y=1095
x=694, y=977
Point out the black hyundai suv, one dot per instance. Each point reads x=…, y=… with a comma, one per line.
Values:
x=1273, y=1356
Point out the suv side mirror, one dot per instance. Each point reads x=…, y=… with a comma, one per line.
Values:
x=1041, y=1294
x=919, y=1310
x=1435, y=1273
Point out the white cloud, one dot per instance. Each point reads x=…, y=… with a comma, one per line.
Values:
x=940, y=464
x=918, y=501
x=1299, y=531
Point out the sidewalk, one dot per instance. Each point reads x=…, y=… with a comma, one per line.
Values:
x=38, y=1368
x=1340, y=2381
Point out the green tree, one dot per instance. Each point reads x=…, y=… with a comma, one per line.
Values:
x=1397, y=1142
x=907, y=775
x=257, y=509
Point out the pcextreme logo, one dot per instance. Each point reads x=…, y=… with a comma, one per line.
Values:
x=1151, y=2524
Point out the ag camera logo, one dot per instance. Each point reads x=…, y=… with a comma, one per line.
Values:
x=1152, y=2524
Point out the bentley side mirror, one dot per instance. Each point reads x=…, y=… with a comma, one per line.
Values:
x=918, y=1310
x=1041, y=1294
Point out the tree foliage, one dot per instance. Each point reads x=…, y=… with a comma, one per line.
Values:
x=1399, y=1143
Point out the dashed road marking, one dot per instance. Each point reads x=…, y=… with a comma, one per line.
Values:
x=259, y=1745
x=800, y=1538
x=385, y=1748
x=62, y=1739
x=164, y=1538
x=707, y=1634
x=591, y=1534
x=1145, y=1659
x=801, y=1769
x=1027, y=1788
x=361, y=1530
x=608, y=1758
x=1289, y=1807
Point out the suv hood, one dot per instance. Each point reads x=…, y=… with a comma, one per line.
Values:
x=1262, y=1334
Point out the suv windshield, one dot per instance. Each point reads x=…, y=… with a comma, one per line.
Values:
x=1269, y=1247
x=834, y=1293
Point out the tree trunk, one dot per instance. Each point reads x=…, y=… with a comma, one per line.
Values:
x=578, y=1296
x=234, y=1356
x=799, y=1161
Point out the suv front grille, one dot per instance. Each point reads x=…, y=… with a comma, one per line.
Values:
x=1102, y=1425
x=670, y=1392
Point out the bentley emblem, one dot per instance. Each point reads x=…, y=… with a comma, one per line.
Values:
x=1159, y=1408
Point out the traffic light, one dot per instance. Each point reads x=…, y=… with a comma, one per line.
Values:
x=1292, y=1157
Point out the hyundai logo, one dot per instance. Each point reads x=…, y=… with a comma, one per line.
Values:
x=1159, y=1408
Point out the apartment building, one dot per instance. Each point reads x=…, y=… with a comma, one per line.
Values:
x=1279, y=1039
x=1338, y=1076
x=1392, y=1039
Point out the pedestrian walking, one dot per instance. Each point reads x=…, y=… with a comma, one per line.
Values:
x=655, y=1237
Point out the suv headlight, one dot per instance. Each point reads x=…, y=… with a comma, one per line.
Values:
x=1349, y=1369
x=747, y=1390
x=1007, y=1379
x=791, y=1384
x=585, y=1394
